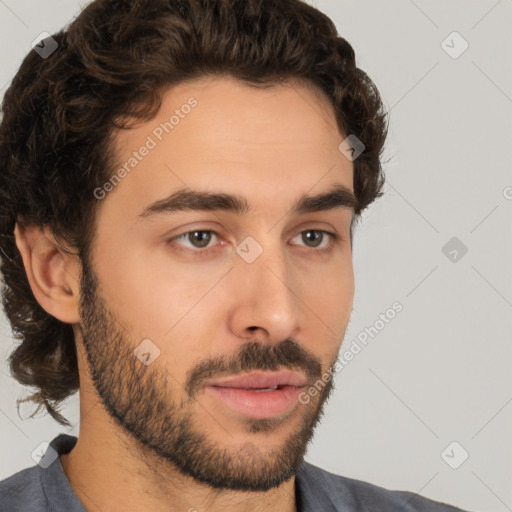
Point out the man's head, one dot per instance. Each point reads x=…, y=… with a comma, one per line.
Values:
x=152, y=123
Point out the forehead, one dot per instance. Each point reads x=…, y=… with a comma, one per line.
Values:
x=286, y=112
x=221, y=134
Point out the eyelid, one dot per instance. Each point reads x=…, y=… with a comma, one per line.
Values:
x=335, y=239
x=196, y=250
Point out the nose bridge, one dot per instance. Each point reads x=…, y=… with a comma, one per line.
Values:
x=267, y=297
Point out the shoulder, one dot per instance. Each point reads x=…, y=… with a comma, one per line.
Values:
x=43, y=487
x=23, y=491
x=319, y=488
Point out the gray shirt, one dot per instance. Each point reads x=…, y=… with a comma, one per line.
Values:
x=45, y=488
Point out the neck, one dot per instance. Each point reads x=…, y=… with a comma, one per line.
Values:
x=107, y=475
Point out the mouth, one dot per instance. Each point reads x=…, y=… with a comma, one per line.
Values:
x=259, y=394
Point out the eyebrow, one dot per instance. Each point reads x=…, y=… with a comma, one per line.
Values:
x=338, y=196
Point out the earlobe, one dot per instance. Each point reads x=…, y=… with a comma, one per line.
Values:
x=52, y=273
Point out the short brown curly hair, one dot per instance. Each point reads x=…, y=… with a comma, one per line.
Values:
x=112, y=64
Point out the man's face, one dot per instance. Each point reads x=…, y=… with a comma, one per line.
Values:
x=177, y=302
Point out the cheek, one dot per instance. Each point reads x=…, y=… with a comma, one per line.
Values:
x=330, y=290
x=328, y=295
x=146, y=288
x=160, y=301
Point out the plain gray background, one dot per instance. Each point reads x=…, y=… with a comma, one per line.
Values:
x=439, y=372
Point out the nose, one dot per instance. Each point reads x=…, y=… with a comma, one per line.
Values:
x=266, y=305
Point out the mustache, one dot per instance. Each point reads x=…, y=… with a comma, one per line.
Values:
x=255, y=356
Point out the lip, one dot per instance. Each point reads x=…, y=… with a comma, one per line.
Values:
x=259, y=380
x=241, y=393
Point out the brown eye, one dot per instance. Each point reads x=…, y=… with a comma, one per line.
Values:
x=195, y=239
x=201, y=237
x=317, y=239
x=313, y=236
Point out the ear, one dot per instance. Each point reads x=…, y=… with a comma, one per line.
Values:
x=52, y=273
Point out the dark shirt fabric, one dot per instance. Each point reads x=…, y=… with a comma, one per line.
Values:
x=39, y=489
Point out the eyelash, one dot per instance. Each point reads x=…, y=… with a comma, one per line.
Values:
x=335, y=239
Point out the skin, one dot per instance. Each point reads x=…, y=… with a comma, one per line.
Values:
x=271, y=146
